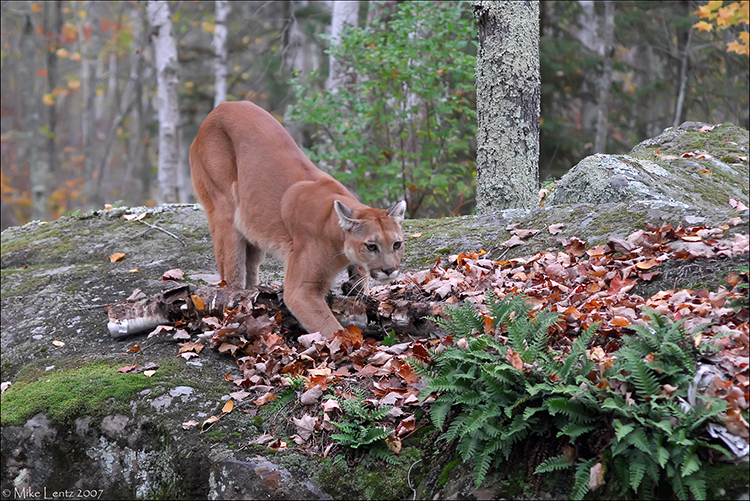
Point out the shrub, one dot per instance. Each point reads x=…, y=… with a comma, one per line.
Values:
x=402, y=124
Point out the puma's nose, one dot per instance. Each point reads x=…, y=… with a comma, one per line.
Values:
x=389, y=271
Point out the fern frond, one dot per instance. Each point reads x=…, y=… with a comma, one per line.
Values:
x=643, y=378
x=638, y=439
x=382, y=452
x=573, y=410
x=690, y=463
x=581, y=482
x=575, y=430
x=439, y=410
x=554, y=463
x=637, y=470
x=463, y=320
x=481, y=468
x=697, y=485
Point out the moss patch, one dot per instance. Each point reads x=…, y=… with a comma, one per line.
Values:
x=94, y=389
x=727, y=481
x=371, y=479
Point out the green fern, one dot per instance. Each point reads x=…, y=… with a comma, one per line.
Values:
x=496, y=405
x=359, y=431
x=656, y=440
x=561, y=462
x=581, y=479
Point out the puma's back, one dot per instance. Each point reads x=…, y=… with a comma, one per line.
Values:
x=261, y=193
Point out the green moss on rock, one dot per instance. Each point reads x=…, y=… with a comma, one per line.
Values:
x=94, y=389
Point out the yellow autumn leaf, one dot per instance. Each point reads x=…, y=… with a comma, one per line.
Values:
x=197, y=302
x=210, y=27
x=76, y=56
x=227, y=407
x=62, y=53
x=726, y=15
x=82, y=14
x=48, y=99
x=35, y=8
x=737, y=47
x=116, y=256
x=703, y=26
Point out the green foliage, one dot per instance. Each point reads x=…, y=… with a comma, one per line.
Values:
x=359, y=430
x=93, y=389
x=402, y=124
x=499, y=404
x=390, y=339
x=657, y=434
x=643, y=398
x=285, y=397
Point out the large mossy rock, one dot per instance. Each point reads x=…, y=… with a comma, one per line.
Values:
x=80, y=424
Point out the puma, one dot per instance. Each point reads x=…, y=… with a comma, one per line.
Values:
x=262, y=194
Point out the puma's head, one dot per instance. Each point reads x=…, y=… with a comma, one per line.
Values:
x=373, y=239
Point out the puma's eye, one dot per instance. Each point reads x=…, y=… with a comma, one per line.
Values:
x=371, y=247
x=396, y=245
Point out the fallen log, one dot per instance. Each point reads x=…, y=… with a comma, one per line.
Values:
x=374, y=317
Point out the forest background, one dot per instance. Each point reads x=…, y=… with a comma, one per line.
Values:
x=389, y=109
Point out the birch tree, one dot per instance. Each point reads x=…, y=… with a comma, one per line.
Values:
x=220, y=47
x=345, y=12
x=165, y=55
x=605, y=84
x=508, y=99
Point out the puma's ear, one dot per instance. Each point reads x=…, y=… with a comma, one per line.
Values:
x=397, y=211
x=345, y=216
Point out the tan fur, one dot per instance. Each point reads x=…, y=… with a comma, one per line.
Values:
x=262, y=194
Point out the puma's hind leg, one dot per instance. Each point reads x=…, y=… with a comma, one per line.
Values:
x=253, y=257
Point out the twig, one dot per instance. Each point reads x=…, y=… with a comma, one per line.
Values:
x=153, y=226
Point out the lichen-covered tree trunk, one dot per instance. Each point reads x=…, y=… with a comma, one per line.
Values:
x=165, y=54
x=508, y=95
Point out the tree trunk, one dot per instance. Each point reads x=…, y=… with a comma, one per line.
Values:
x=600, y=143
x=53, y=26
x=683, y=80
x=587, y=24
x=165, y=55
x=220, y=46
x=345, y=12
x=88, y=120
x=508, y=100
x=300, y=58
x=31, y=125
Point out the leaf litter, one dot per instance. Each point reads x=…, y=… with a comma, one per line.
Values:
x=583, y=284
